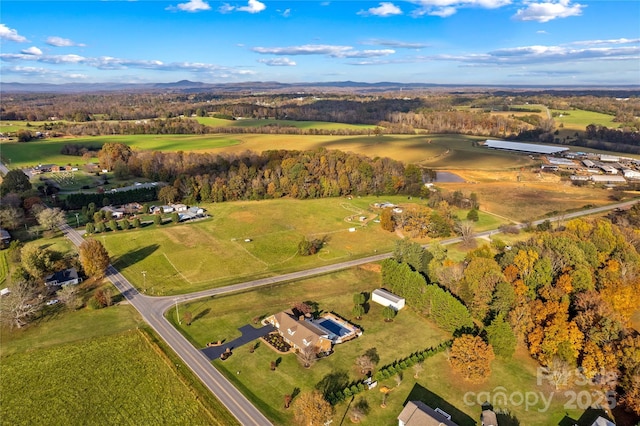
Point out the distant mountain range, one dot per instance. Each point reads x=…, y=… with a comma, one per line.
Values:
x=273, y=86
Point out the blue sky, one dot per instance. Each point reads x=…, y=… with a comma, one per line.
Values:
x=427, y=41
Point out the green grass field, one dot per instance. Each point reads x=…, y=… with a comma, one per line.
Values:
x=87, y=366
x=219, y=318
x=116, y=379
x=213, y=252
x=577, y=119
x=434, y=151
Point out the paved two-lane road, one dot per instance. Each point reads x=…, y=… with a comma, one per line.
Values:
x=152, y=310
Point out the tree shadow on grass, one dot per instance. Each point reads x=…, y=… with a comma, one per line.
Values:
x=201, y=314
x=333, y=382
x=133, y=257
x=420, y=393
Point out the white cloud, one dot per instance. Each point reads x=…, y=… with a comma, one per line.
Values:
x=607, y=42
x=254, y=6
x=541, y=32
x=541, y=55
x=286, y=13
x=278, y=62
x=394, y=43
x=62, y=42
x=226, y=8
x=32, y=51
x=547, y=11
x=191, y=6
x=10, y=34
x=112, y=63
x=443, y=12
x=385, y=9
x=323, y=49
x=445, y=8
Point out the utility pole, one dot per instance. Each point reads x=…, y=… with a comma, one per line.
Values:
x=177, y=313
x=144, y=281
x=77, y=220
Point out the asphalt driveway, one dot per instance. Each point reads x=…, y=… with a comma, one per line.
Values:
x=249, y=334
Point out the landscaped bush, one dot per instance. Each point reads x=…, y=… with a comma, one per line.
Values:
x=277, y=342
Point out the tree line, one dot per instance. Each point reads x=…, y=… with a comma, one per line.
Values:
x=271, y=174
x=567, y=294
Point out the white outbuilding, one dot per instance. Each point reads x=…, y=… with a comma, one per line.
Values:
x=386, y=298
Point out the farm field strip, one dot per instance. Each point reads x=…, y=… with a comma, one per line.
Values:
x=128, y=379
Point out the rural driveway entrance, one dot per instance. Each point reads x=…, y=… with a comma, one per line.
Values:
x=249, y=334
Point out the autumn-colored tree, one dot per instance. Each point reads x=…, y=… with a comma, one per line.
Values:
x=112, y=152
x=553, y=334
x=471, y=357
x=168, y=194
x=39, y=261
x=311, y=409
x=386, y=220
x=50, y=218
x=287, y=400
x=93, y=258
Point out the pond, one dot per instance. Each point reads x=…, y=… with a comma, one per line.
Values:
x=448, y=177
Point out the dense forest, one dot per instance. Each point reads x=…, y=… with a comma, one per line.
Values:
x=566, y=294
x=271, y=174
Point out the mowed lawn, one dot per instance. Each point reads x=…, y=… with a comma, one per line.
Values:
x=96, y=367
x=214, y=252
x=219, y=318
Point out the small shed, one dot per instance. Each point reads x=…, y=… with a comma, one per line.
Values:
x=386, y=298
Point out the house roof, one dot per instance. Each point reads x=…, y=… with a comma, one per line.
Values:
x=489, y=418
x=63, y=276
x=301, y=333
x=4, y=234
x=417, y=413
x=387, y=295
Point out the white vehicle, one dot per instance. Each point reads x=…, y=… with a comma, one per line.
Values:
x=52, y=302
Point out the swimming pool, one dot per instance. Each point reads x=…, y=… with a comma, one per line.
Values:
x=333, y=327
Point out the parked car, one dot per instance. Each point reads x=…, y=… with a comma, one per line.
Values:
x=52, y=302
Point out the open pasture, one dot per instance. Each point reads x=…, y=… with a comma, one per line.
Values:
x=532, y=197
x=118, y=378
x=578, y=120
x=214, y=252
x=434, y=151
